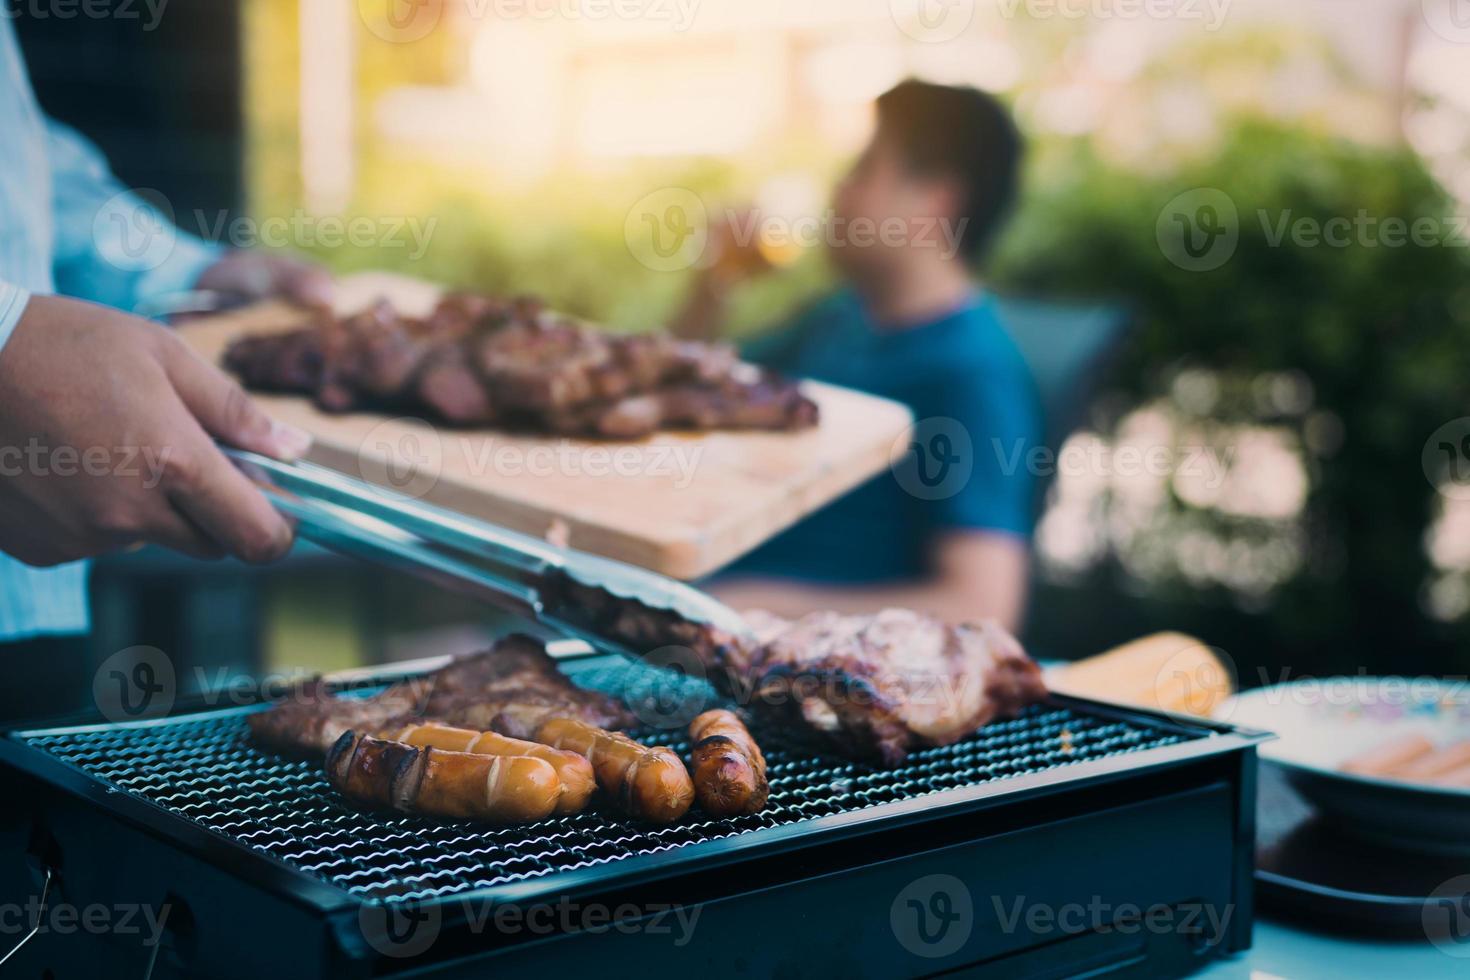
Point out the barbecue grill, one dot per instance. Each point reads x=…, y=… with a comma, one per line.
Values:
x=1077, y=838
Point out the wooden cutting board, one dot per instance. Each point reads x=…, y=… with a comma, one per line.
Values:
x=677, y=503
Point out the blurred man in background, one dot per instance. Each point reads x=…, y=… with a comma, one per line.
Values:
x=107, y=422
x=912, y=323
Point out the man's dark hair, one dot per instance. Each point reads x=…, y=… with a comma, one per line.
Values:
x=961, y=133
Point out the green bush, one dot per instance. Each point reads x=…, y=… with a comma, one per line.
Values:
x=1380, y=332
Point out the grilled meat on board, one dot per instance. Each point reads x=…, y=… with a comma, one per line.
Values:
x=511, y=689
x=482, y=361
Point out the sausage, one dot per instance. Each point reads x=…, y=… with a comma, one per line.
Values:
x=729, y=769
x=1389, y=758
x=1432, y=767
x=385, y=774
x=574, y=771
x=649, y=783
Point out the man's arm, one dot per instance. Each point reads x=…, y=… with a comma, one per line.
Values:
x=115, y=248
x=112, y=246
x=978, y=575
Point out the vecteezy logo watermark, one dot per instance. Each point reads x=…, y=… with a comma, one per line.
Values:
x=46, y=916
x=667, y=230
x=135, y=684
x=1450, y=19
x=35, y=458
x=1446, y=917
x=404, y=455
x=148, y=12
x=400, y=21
x=1208, y=464
x=301, y=230
x=1446, y=459
x=407, y=455
x=134, y=230
x=933, y=916
x=407, y=21
x=406, y=929
x=1198, y=230
x=1211, y=12
x=1196, y=679
x=672, y=697
x=780, y=233
x=1196, y=919
x=932, y=21
x=934, y=458
x=402, y=929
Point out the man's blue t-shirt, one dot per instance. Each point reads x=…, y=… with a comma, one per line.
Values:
x=977, y=415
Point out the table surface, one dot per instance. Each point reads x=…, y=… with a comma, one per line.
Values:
x=1295, y=954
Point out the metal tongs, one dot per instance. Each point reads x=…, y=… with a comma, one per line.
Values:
x=505, y=568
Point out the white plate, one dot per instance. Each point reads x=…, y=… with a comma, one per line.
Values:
x=1324, y=722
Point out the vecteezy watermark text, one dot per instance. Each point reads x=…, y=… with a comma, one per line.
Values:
x=1210, y=464
x=149, y=13
x=96, y=919
x=1210, y=13
x=409, y=929
x=1200, y=230
x=407, y=456
x=38, y=459
x=407, y=21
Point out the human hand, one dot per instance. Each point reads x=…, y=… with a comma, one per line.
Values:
x=107, y=429
x=263, y=275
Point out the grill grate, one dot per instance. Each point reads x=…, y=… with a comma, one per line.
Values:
x=204, y=768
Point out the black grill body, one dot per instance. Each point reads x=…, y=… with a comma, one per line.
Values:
x=1078, y=838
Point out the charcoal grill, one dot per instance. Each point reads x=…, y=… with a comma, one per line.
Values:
x=1078, y=838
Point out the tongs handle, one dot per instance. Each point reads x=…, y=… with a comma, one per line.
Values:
x=505, y=567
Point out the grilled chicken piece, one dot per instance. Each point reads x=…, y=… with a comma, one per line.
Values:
x=886, y=684
x=477, y=360
x=872, y=685
x=509, y=689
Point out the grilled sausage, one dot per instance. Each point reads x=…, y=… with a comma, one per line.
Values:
x=648, y=783
x=729, y=769
x=574, y=771
x=390, y=775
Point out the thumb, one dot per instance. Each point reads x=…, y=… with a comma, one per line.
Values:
x=226, y=412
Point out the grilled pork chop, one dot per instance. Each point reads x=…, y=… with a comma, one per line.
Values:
x=510, y=688
x=872, y=685
x=478, y=361
x=884, y=685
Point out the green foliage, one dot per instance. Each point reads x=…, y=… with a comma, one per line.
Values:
x=1380, y=331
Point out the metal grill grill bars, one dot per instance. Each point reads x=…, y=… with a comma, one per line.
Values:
x=204, y=769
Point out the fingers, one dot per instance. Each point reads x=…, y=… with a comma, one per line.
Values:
x=226, y=412
x=304, y=283
x=216, y=497
x=177, y=532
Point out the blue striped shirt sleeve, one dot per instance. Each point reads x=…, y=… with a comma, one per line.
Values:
x=13, y=302
x=112, y=245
